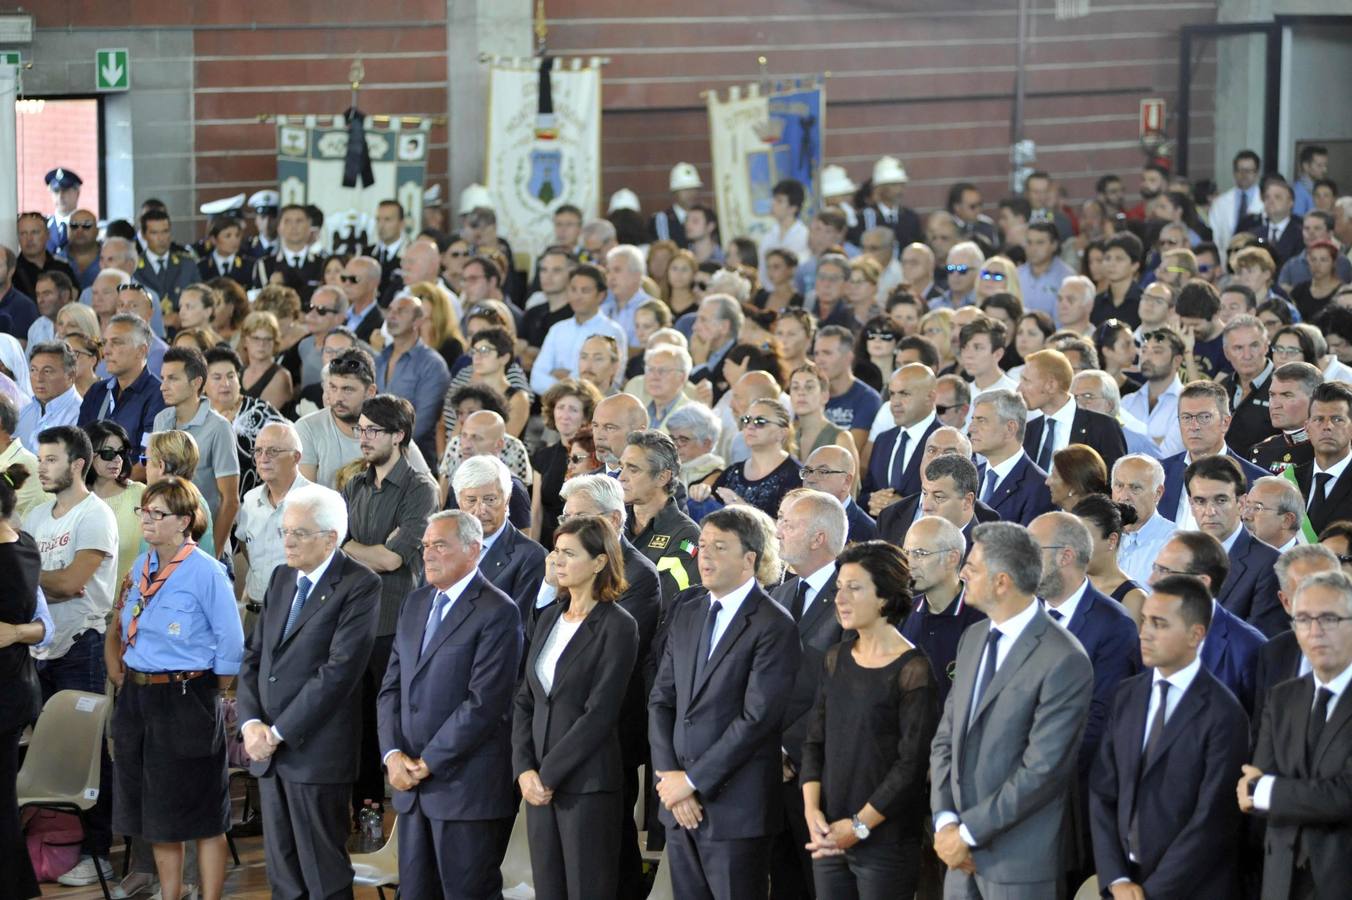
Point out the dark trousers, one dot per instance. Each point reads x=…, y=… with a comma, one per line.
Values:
x=370, y=773
x=791, y=875
x=568, y=841
x=705, y=869
x=83, y=669
x=870, y=871
x=305, y=828
x=451, y=860
x=19, y=882
x=630, y=884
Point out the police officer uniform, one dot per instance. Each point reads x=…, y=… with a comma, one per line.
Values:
x=670, y=542
x=669, y=224
x=903, y=221
x=58, y=226
x=1251, y=419
x=264, y=203
x=303, y=270
x=1287, y=448
x=177, y=270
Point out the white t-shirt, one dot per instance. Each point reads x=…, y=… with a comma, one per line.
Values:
x=91, y=525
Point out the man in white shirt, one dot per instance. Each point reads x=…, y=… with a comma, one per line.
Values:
x=1156, y=404
x=1138, y=481
x=276, y=452
x=558, y=356
x=624, y=274
x=788, y=233
x=1241, y=201
x=51, y=369
x=1095, y=389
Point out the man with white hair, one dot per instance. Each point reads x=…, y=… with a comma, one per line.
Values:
x=512, y=562
x=101, y=296
x=624, y=274
x=1281, y=658
x=718, y=322
x=1011, y=483
x=1272, y=512
x=1075, y=305
x=695, y=429
x=1138, y=481
x=276, y=454
x=598, y=239
x=666, y=368
x=964, y=266
x=1096, y=390
x=300, y=692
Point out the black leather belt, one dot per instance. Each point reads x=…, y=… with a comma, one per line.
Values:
x=253, y=607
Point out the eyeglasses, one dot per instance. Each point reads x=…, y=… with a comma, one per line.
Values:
x=300, y=534
x=823, y=471
x=958, y=269
x=83, y=226
x=1087, y=397
x=881, y=335
x=324, y=310
x=130, y=286
x=1046, y=547
x=348, y=279
x=920, y=555
x=699, y=285
x=269, y=452
x=155, y=515
x=108, y=454
x=1201, y=419
x=1161, y=571
x=1279, y=350
x=1327, y=622
x=992, y=276
x=484, y=350
x=371, y=432
x=1203, y=268
x=346, y=366
x=760, y=422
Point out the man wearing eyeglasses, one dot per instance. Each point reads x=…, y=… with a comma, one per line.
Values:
x=964, y=265
x=934, y=549
x=276, y=454
x=1041, y=276
x=833, y=470
x=1203, y=419
x=1298, y=776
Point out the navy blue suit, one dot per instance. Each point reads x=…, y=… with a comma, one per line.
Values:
x=1230, y=652
x=879, y=475
x=1108, y=634
x=1183, y=795
x=1250, y=590
x=896, y=519
x=1175, y=466
x=516, y=566
x=1093, y=429
x=1022, y=495
x=862, y=526
x=451, y=706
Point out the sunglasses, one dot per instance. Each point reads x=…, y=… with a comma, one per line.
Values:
x=959, y=269
x=943, y=410
x=82, y=226
x=348, y=279
x=324, y=310
x=130, y=286
x=881, y=335
x=992, y=276
x=760, y=422
x=108, y=454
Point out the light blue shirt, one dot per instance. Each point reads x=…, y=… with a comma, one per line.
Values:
x=491, y=539
x=563, y=343
x=191, y=623
x=1161, y=423
x=1136, y=551
x=1039, y=291
x=421, y=376
x=44, y=615
x=34, y=419
x=610, y=308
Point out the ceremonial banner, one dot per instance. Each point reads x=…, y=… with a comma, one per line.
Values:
x=543, y=146
x=311, y=155
x=758, y=140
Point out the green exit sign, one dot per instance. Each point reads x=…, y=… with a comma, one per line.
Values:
x=10, y=58
x=112, y=70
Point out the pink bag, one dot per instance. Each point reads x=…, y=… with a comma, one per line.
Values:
x=54, y=839
x=235, y=757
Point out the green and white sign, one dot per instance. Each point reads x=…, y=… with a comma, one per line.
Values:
x=10, y=58
x=112, y=70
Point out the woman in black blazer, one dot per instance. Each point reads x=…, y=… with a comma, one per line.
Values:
x=565, y=740
x=20, y=700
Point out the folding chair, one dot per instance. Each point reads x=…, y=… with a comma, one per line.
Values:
x=381, y=868
x=61, y=768
x=1089, y=890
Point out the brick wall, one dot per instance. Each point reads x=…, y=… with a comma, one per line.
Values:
x=66, y=131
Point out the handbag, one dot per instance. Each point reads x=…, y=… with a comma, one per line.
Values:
x=53, y=839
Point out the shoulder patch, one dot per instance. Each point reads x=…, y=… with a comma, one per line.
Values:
x=659, y=541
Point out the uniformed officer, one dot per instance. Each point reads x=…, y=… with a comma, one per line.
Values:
x=163, y=268
x=1289, y=393
x=227, y=208
x=294, y=263
x=264, y=241
x=65, y=187
x=669, y=224
x=649, y=473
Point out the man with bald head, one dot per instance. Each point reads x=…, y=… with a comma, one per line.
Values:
x=484, y=433
x=615, y=417
x=948, y=486
x=408, y=368
x=361, y=283
x=934, y=549
x=894, y=464
x=1045, y=387
x=421, y=262
x=832, y=470
x=123, y=255
x=917, y=273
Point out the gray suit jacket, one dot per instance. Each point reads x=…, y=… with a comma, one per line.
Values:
x=1008, y=774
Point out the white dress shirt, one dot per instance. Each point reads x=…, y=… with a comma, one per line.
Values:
x=1065, y=420
x=914, y=435
x=1262, y=794
x=1161, y=422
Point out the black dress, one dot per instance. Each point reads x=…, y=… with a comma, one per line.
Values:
x=258, y=387
x=20, y=702
x=1125, y=588
x=764, y=493
x=1308, y=304
x=551, y=462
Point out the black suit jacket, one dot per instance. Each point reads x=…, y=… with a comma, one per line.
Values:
x=515, y=565
x=1335, y=505
x=818, y=631
x=878, y=475
x=1088, y=427
x=1278, y=661
x=303, y=278
x=1250, y=588
x=861, y=524
x=723, y=729
x=239, y=271
x=1309, y=801
x=1290, y=244
x=1184, y=795
x=896, y=519
x=451, y=706
x=569, y=735
x=307, y=685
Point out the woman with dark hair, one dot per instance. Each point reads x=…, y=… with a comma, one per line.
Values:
x=567, y=407
x=743, y=358
x=582, y=458
x=866, y=754
x=1312, y=296
x=181, y=641
x=1105, y=518
x=780, y=267
x=109, y=477
x=1292, y=344
x=1177, y=207
x=227, y=316
x=1115, y=342
x=1274, y=314
x=565, y=734
x=679, y=288
x=741, y=251
x=1031, y=335
x=247, y=415
x=1091, y=265
x=875, y=353
x=20, y=697
x=492, y=351
x=1077, y=471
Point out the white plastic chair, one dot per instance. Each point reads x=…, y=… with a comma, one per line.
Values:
x=381, y=868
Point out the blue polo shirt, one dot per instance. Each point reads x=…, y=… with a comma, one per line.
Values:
x=134, y=408
x=938, y=635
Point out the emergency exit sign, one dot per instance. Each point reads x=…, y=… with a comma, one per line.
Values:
x=112, y=70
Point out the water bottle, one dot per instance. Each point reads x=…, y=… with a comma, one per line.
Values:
x=364, y=820
x=375, y=826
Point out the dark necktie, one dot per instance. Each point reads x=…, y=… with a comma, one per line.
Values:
x=1152, y=741
x=989, y=489
x=1055, y=614
x=799, y=600
x=987, y=671
x=1272, y=234
x=1243, y=210
x=1044, y=456
x=1318, y=716
x=434, y=620
x=706, y=639
x=302, y=594
x=898, y=476
x=1318, y=494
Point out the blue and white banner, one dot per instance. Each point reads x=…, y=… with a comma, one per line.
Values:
x=759, y=139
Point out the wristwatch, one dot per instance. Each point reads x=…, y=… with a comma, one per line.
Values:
x=860, y=829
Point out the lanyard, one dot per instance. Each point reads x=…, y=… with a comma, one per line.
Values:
x=149, y=587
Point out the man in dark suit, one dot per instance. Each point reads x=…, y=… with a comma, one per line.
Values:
x=1000, y=782
x=1279, y=229
x=299, y=696
x=1203, y=419
x=600, y=495
x=1330, y=430
x=1299, y=777
x=293, y=264
x=811, y=532
x=1010, y=482
x=445, y=719
x=895, y=461
x=1231, y=649
x=1163, y=822
x=948, y=490
x=832, y=469
x=512, y=562
x=1215, y=488
x=1045, y=387
x=1280, y=659
x=715, y=717
x=162, y=268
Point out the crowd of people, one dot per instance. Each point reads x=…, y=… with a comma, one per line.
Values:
x=888, y=556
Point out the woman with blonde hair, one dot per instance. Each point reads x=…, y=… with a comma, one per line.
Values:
x=264, y=377
x=809, y=390
x=998, y=276
x=284, y=303
x=440, y=327
x=199, y=339
x=228, y=316
x=660, y=255
x=861, y=289
x=77, y=317
x=174, y=454
x=936, y=326
x=769, y=473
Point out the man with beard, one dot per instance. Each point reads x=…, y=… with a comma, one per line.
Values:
x=1154, y=181
x=388, y=506
x=1157, y=405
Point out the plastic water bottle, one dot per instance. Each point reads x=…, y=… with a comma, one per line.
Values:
x=375, y=826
